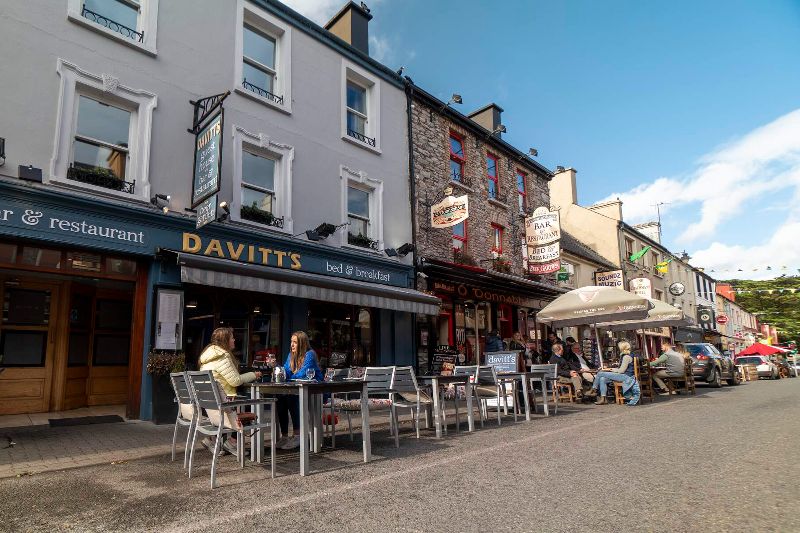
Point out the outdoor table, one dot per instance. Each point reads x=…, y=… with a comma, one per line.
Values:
x=440, y=379
x=540, y=376
x=525, y=377
x=310, y=396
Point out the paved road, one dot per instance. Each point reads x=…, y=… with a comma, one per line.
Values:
x=721, y=461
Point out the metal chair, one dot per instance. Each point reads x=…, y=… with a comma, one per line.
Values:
x=549, y=377
x=406, y=393
x=470, y=372
x=487, y=386
x=336, y=374
x=187, y=413
x=220, y=419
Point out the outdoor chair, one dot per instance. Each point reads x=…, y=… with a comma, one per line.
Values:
x=687, y=380
x=487, y=386
x=187, y=414
x=407, y=394
x=641, y=368
x=549, y=379
x=336, y=374
x=566, y=392
x=458, y=392
x=220, y=419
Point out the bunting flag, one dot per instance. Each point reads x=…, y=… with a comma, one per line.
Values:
x=639, y=254
x=663, y=266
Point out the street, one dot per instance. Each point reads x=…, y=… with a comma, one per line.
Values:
x=724, y=460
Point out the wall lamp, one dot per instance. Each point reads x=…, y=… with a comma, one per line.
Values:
x=323, y=231
x=499, y=129
x=533, y=152
x=403, y=251
x=158, y=198
x=455, y=99
x=227, y=211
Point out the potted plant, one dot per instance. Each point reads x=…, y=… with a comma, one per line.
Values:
x=160, y=363
x=463, y=258
x=501, y=263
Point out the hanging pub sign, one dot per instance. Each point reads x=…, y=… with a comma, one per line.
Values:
x=207, y=160
x=611, y=278
x=542, y=236
x=450, y=211
x=207, y=211
x=641, y=287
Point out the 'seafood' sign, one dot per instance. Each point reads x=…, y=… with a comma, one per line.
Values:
x=450, y=211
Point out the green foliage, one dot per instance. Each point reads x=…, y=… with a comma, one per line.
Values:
x=251, y=212
x=160, y=363
x=779, y=309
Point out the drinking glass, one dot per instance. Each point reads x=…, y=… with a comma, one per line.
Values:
x=310, y=373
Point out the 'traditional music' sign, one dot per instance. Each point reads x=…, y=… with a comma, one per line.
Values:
x=450, y=211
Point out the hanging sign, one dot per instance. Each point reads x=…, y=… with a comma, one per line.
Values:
x=207, y=211
x=450, y=211
x=641, y=287
x=544, y=259
x=542, y=235
x=207, y=160
x=611, y=278
x=722, y=319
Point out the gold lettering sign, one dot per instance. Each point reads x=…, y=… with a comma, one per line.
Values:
x=194, y=244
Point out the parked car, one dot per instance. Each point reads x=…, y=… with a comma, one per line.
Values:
x=765, y=367
x=785, y=368
x=711, y=366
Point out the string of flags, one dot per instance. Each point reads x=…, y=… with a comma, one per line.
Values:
x=756, y=269
x=663, y=266
x=780, y=290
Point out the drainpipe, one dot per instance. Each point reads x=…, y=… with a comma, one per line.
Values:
x=412, y=189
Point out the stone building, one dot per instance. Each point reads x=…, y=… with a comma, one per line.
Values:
x=478, y=266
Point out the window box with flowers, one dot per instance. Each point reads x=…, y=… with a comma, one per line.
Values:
x=501, y=263
x=463, y=258
x=160, y=363
x=362, y=241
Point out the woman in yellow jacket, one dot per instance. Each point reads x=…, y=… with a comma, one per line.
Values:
x=218, y=358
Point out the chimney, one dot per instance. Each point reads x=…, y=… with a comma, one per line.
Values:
x=652, y=230
x=563, y=187
x=488, y=116
x=351, y=24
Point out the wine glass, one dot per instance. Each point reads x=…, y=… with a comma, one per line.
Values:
x=310, y=373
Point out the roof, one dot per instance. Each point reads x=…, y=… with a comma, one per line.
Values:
x=574, y=246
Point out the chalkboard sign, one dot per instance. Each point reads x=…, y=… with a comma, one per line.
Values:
x=443, y=361
x=503, y=361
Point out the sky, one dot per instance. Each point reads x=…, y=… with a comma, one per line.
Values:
x=691, y=104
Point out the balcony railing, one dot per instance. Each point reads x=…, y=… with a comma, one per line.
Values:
x=261, y=92
x=100, y=177
x=460, y=178
x=361, y=137
x=362, y=241
x=260, y=216
x=112, y=25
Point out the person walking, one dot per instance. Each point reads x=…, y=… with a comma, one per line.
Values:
x=301, y=363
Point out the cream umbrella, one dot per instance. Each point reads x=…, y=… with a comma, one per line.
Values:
x=661, y=315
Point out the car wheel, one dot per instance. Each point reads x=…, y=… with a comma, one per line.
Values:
x=714, y=378
x=734, y=379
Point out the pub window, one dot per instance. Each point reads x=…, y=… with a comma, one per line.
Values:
x=361, y=107
x=460, y=237
x=341, y=335
x=23, y=348
x=40, y=257
x=497, y=239
x=628, y=248
x=8, y=253
x=84, y=262
x=258, y=67
x=522, y=197
x=124, y=267
x=491, y=174
x=258, y=188
x=357, y=215
x=131, y=22
x=457, y=158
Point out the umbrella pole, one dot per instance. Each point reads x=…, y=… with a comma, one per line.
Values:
x=599, y=347
x=644, y=341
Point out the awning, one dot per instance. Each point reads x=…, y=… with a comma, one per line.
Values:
x=216, y=272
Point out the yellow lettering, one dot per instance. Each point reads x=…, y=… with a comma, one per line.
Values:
x=251, y=254
x=280, y=255
x=264, y=255
x=235, y=255
x=215, y=247
x=295, y=261
x=191, y=243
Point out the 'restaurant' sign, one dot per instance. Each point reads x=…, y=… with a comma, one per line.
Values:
x=542, y=235
x=207, y=160
x=450, y=211
x=612, y=278
x=641, y=287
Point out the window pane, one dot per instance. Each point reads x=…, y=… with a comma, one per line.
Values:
x=258, y=171
x=492, y=189
x=259, y=78
x=8, y=253
x=458, y=245
x=80, y=312
x=358, y=202
x=40, y=257
x=113, y=314
x=103, y=122
x=520, y=182
x=521, y=202
x=119, y=12
x=26, y=307
x=491, y=166
x=120, y=266
x=259, y=47
x=357, y=98
x=111, y=350
x=356, y=123
x=23, y=348
x=84, y=262
x=459, y=230
x=456, y=148
x=78, y=349
x=92, y=156
x=357, y=226
x=257, y=199
x=456, y=170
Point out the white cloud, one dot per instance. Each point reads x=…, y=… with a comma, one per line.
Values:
x=379, y=48
x=765, y=160
x=320, y=11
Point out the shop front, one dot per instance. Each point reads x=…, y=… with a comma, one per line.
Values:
x=476, y=301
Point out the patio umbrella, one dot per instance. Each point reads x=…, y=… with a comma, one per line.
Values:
x=761, y=349
x=660, y=316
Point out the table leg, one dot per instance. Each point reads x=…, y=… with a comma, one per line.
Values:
x=365, y=433
x=437, y=408
x=525, y=395
x=257, y=440
x=470, y=410
x=304, y=408
x=316, y=423
x=544, y=397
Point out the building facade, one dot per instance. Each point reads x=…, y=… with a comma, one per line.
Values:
x=101, y=259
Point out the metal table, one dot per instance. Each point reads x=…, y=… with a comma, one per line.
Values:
x=439, y=379
x=526, y=377
x=310, y=396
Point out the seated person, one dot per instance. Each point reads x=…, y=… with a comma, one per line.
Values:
x=567, y=372
x=623, y=374
x=517, y=342
x=493, y=342
x=575, y=356
x=674, y=361
x=300, y=360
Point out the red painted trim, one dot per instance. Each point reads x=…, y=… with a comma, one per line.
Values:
x=496, y=176
x=524, y=191
x=460, y=159
x=495, y=228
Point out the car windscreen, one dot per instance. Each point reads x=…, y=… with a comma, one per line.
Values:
x=697, y=349
x=748, y=361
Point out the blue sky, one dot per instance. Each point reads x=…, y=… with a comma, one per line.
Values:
x=686, y=102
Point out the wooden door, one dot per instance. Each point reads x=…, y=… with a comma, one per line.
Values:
x=27, y=335
x=78, y=346
x=111, y=348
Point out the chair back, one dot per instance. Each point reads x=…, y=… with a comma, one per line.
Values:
x=550, y=371
x=183, y=395
x=336, y=374
x=404, y=380
x=205, y=390
x=378, y=378
x=467, y=370
x=487, y=375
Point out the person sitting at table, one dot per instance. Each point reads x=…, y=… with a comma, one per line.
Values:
x=301, y=363
x=494, y=343
x=218, y=357
x=624, y=374
x=517, y=342
x=575, y=357
x=674, y=362
x=567, y=372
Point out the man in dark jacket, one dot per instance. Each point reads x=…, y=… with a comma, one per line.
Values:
x=567, y=372
x=493, y=342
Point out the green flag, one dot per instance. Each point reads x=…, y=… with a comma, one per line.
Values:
x=639, y=254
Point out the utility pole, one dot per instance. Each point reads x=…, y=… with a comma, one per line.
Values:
x=658, y=214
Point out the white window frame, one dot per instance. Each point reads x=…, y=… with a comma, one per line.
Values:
x=147, y=22
x=269, y=25
x=260, y=144
x=76, y=82
x=353, y=73
x=359, y=180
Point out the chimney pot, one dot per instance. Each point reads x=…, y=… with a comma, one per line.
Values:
x=488, y=116
x=351, y=24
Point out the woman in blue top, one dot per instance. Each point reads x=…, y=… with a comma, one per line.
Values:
x=300, y=363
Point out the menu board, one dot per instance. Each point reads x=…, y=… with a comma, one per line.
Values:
x=443, y=362
x=169, y=320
